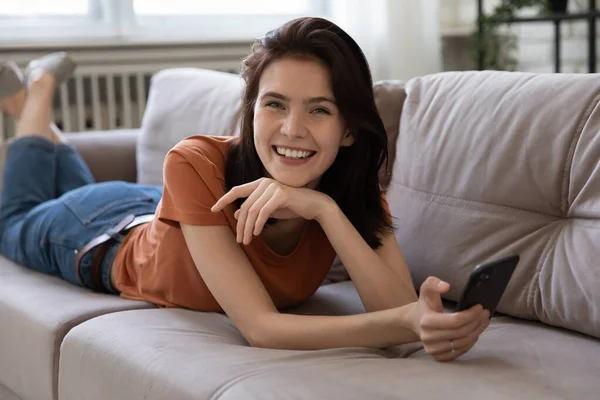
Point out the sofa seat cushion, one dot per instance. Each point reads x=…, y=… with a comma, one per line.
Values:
x=495, y=163
x=180, y=354
x=36, y=311
x=7, y=394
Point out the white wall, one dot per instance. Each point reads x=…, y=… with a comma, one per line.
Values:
x=536, y=40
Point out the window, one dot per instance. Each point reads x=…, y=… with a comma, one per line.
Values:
x=37, y=21
x=223, y=7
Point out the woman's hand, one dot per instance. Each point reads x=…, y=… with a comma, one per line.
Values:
x=446, y=336
x=268, y=198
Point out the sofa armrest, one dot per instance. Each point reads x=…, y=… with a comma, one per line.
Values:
x=110, y=155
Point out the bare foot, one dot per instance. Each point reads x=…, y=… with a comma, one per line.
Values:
x=13, y=105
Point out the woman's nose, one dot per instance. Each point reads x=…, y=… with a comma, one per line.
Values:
x=293, y=126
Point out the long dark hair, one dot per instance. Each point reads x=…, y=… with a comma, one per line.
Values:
x=352, y=180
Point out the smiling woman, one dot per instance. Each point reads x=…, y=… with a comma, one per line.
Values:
x=308, y=158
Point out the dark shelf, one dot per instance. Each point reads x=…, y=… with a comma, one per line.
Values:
x=553, y=18
x=590, y=16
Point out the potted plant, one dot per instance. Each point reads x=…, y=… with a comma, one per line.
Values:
x=498, y=49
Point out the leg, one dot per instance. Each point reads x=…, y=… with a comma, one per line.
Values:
x=71, y=170
x=36, y=116
x=31, y=160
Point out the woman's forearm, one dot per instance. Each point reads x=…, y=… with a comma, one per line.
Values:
x=378, y=285
x=378, y=329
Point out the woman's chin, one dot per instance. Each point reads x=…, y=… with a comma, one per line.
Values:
x=295, y=182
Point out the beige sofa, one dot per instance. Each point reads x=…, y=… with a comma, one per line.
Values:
x=485, y=164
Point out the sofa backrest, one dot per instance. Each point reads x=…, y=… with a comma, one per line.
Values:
x=190, y=101
x=494, y=163
x=184, y=102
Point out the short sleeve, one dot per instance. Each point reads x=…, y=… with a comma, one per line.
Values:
x=190, y=190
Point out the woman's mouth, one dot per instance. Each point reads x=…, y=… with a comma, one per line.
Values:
x=293, y=154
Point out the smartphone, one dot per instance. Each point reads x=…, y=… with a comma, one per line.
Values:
x=487, y=283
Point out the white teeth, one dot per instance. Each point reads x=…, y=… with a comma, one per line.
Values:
x=296, y=154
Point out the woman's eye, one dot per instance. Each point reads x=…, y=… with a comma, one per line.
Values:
x=321, y=110
x=274, y=104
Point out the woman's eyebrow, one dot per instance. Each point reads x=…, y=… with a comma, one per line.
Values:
x=312, y=100
x=271, y=93
x=320, y=100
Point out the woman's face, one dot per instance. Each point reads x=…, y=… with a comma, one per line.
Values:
x=298, y=128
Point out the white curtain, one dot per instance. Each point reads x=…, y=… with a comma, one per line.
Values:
x=400, y=38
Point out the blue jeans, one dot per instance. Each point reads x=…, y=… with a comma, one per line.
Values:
x=50, y=207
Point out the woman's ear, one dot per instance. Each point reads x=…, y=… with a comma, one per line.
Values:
x=348, y=139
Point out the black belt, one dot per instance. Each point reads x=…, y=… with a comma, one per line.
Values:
x=102, y=243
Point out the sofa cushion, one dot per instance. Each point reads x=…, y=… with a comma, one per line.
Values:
x=7, y=394
x=184, y=102
x=110, y=155
x=36, y=312
x=180, y=354
x=389, y=98
x=489, y=164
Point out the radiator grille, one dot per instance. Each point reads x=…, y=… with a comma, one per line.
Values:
x=110, y=87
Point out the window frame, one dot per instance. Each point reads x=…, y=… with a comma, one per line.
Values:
x=114, y=22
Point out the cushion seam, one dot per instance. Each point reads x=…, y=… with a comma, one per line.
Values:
x=534, y=287
x=566, y=181
x=439, y=198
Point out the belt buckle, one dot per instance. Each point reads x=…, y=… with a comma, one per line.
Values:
x=115, y=231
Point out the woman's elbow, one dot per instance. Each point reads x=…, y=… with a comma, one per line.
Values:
x=260, y=334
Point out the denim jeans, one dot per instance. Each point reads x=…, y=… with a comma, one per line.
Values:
x=50, y=207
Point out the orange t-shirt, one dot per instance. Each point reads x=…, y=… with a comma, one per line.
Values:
x=153, y=263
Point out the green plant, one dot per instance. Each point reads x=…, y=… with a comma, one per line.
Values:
x=498, y=48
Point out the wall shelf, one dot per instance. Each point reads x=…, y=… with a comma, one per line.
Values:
x=591, y=15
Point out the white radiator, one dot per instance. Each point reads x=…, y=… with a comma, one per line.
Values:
x=110, y=87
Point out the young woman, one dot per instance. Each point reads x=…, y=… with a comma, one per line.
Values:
x=248, y=226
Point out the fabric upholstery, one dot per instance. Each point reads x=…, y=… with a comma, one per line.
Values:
x=184, y=102
x=110, y=155
x=7, y=394
x=489, y=164
x=36, y=311
x=178, y=354
x=389, y=98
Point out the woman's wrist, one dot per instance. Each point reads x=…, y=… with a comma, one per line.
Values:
x=327, y=209
x=413, y=318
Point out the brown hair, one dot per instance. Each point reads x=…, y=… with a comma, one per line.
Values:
x=352, y=180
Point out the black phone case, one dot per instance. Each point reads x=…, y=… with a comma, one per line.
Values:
x=487, y=283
